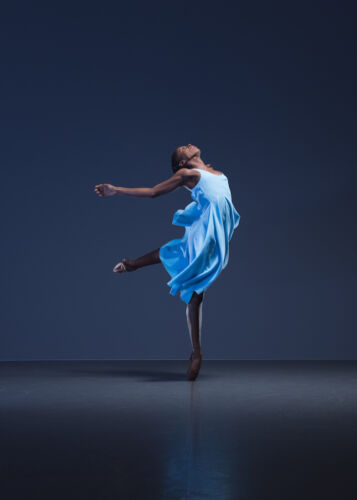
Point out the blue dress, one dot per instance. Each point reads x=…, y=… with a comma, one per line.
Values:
x=195, y=260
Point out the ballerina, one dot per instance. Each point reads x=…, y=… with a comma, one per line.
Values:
x=194, y=261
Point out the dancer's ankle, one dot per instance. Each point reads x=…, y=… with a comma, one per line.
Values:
x=130, y=265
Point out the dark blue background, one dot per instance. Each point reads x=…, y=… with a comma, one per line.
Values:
x=104, y=92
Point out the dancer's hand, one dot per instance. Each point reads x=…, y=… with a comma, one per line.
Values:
x=105, y=190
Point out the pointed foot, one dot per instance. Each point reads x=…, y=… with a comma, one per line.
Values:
x=124, y=266
x=194, y=366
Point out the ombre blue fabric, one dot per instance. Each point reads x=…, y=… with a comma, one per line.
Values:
x=195, y=260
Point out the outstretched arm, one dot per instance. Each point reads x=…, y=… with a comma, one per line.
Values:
x=177, y=180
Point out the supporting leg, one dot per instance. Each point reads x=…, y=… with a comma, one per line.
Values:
x=194, y=322
x=132, y=265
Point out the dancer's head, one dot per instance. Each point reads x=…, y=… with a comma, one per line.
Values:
x=182, y=155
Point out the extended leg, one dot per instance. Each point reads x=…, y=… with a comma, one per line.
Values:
x=194, y=323
x=132, y=265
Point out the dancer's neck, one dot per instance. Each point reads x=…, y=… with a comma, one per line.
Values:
x=198, y=163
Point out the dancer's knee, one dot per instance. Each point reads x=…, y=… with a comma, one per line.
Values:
x=197, y=298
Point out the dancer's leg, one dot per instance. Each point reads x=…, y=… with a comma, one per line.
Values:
x=132, y=265
x=194, y=322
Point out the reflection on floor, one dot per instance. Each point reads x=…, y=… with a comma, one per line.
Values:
x=139, y=430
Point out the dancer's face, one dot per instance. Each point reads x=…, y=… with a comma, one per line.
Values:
x=186, y=153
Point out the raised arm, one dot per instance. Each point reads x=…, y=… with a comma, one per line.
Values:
x=175, y=181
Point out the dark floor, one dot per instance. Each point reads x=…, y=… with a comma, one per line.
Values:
x=138, y=430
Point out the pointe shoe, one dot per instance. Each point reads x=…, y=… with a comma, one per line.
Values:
x=124, y=266
x=119, y=268
x=194, y=367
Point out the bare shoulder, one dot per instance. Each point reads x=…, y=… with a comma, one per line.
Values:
x=216, y=172
x=190, y=177
x=188, y=173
